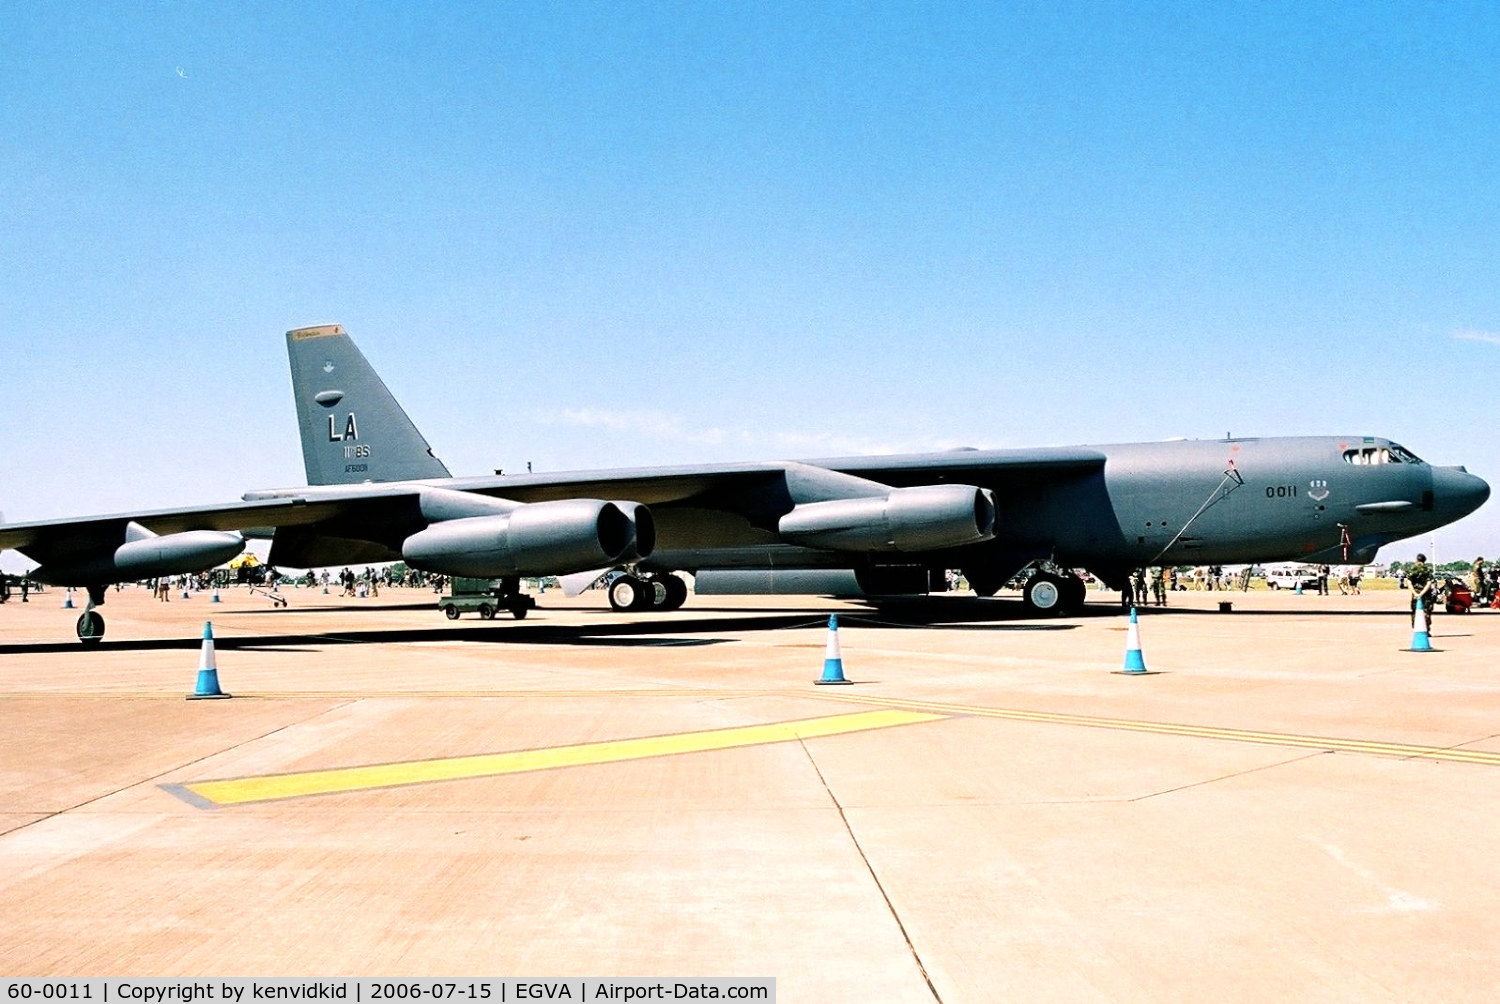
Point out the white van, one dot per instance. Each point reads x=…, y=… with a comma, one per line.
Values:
x=1291, y=576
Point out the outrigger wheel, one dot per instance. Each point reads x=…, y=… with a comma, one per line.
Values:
x=91, y=622
x=90, y=627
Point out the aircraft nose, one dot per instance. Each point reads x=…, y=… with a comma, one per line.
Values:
x=1457, y=491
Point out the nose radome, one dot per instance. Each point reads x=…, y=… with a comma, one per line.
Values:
x=1459, y=491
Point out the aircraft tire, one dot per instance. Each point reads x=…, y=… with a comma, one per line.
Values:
x=675, y=592
x=653, y=593
x=1075, y=594
x=90, y=627
x=1045, y=595
x=628, y=593
x=982, y=581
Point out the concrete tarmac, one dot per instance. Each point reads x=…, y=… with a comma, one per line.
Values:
x=1288, y=807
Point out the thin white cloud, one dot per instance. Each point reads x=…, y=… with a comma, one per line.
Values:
x=1472, y=335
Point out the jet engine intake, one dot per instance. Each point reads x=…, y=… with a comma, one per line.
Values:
x=539, y=538
x=924, y=518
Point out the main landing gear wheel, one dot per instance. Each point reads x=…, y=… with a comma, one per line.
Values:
x=630, y=593
x=1050, y=595
x=1044, y=594
x=90, y=627
x=1075, y=594
x=982, y=581
x=670, y=592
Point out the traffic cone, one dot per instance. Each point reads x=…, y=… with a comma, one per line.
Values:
x=215, y=598
x=1420, y=641
x=1135, y=662
x=833, y=662
x=1299, y=587
x=208, y=673
x=68, y=599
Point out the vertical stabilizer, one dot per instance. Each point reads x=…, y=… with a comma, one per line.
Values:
x=352, y=428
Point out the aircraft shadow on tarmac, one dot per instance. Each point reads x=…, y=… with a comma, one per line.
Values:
x=612, y=629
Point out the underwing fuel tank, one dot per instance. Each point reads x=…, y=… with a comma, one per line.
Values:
x=541, y=538
x=145, y=555
x=924, y=518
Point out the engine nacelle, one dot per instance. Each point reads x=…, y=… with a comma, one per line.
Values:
x=925, y=518
x=539, y=538
x=146, y=555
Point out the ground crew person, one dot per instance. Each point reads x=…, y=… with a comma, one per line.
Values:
x=1420, y=583
x=1476, y=579
x=1159, y=585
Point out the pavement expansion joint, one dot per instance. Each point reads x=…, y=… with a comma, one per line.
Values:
x=874, y=876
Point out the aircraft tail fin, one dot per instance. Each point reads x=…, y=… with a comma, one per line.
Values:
x=353, y=429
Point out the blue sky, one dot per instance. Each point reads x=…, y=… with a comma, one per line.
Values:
x=604, y=235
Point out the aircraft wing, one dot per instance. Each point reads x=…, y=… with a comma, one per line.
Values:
x=720, y=484
x=339, y=524
x=655, y=486
x=65, y=536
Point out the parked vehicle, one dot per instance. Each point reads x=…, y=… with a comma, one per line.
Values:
x=484, y=597
x=1292, y=576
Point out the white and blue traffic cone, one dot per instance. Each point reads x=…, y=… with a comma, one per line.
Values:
x=1420, y=641
x=68, y=599
x=208, y=672
x=215, y=598
x=1135, y=662
x=833, y=661
x=1299, y=587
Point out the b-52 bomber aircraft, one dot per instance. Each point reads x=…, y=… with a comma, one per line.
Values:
x=894, y=525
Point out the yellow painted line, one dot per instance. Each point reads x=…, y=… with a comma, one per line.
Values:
x=1200, y=731
x=237, y=791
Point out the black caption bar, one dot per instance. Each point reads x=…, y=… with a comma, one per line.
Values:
x=466, y=990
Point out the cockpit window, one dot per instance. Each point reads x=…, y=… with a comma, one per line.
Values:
x=1392, y=454
x=1404, y=455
